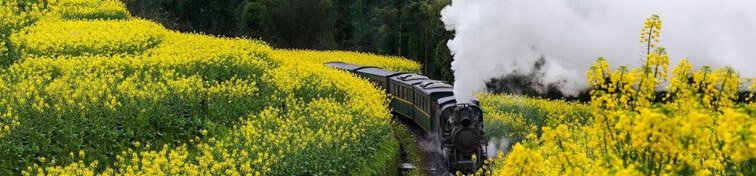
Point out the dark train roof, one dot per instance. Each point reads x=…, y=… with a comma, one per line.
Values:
x=447, y=100
x=434, y=86
x=376, y=71
x=451, y=99
x=345, y=66
x=410, y=78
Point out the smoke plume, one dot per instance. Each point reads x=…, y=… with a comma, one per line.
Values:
x=503, y=38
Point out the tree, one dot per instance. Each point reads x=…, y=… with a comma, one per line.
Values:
x=408, y=28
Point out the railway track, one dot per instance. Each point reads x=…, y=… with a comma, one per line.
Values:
x=432, y=161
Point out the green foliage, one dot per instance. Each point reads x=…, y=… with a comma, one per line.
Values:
x=312, y=27
x=410, y=149
x=213, y=17
x=410, y=29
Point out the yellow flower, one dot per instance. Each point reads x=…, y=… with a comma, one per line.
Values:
x=698, y=126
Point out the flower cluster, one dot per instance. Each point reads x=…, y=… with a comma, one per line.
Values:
x=651, y=31
x=87, y=38
x=752, y=97
x=90, y=9
x=14, y=15
x=515, y=117
x=695, y=126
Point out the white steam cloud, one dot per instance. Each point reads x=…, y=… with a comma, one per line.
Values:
x=496, y=38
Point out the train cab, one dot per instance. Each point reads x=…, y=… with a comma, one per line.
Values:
x=445, y=111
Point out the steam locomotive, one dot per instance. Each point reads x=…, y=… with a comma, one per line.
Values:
x=430, y=105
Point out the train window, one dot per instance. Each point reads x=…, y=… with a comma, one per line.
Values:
x=401, y=91
x=422, y=101
x=404, y=92
x=425, y=104
x=407, y=93
x=427, y=107
x=419, y=102
x=417, y=99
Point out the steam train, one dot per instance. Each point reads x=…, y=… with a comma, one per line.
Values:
x=431, y=106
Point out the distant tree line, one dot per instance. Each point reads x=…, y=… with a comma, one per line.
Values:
x=409, y=28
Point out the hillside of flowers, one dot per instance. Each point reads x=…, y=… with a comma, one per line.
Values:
x=698, y=127
x=87, y=89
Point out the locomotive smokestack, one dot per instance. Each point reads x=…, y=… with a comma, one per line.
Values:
x=465, y=114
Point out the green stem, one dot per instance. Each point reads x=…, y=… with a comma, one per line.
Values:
x=645, y=67
x=722, y=89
